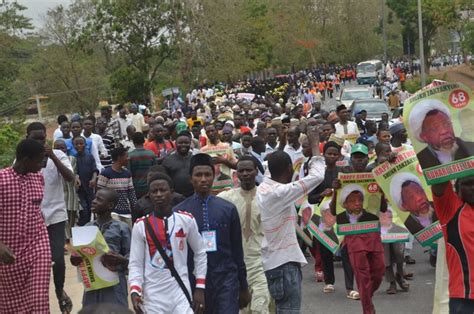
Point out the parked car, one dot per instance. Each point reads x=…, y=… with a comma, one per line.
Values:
x=374, y=107
x=349, y=94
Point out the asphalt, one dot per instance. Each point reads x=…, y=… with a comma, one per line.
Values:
x=417, y=300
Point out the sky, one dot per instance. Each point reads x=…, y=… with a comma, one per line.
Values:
x=38, y=8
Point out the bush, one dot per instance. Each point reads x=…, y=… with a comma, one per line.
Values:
x=412, y=86
x=10, y=136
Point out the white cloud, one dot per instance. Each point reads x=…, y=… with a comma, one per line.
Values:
x=36, y=9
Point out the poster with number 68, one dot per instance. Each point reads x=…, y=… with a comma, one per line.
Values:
x=357, y=203
x=440, y=125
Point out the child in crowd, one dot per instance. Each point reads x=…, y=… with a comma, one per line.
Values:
x=70, y=195
x=117, y=235
x=87, y=172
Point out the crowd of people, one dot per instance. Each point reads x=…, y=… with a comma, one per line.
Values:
x=198, y=202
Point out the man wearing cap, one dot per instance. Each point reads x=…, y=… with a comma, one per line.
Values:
x=219, y=224
x=430, y=123
x=137, y=119
x=399, y=136
x=344, y=127
x=365, y=250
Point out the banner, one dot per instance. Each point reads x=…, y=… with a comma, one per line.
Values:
x=409, y=195
x=359, y=194
x=321, y=225
x=89, y=243
x=440, y=125
x=391, y=232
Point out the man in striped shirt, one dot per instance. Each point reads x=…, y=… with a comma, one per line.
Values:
x=117, y=178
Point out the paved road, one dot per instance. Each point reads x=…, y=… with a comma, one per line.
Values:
x=418, y=300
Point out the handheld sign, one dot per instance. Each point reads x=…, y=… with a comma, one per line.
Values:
x=440, y=125
x=409, y=196
x=358, y=204
x=89, y=243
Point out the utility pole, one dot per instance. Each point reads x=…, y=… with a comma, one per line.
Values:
x=38, y=107
x=422, y=53
x=384, y=34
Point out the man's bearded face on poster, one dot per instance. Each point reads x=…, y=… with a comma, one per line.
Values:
x=437, y=131
x=414, y=199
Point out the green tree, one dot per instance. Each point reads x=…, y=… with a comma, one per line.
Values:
x=435, y=14
x=73, y=79
x=145, y=31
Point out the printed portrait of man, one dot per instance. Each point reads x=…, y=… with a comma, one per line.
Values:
x=408, y=194
x=351, y=199
x=430, y=122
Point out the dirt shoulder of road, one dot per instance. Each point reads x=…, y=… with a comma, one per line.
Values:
x=462, y=74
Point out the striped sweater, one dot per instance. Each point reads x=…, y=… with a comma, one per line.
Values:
x=123, y=184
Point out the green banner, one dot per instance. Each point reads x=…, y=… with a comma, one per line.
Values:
x=322, y=237
x=395, y=237
x=440, y=124
x=358, y=227
x=429, y=235
x=407, y=192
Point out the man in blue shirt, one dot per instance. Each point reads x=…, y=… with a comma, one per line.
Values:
x=219, y=225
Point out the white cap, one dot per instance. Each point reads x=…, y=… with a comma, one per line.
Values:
x=396, y=186
x=348, y=189
x=419, y=112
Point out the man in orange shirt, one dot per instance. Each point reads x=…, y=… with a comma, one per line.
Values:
x=158, y=144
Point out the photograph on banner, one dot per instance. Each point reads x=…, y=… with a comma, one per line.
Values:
x=409, y=196
x=357, y=204
x=440, y=125
x=322, y=224
x=305, y=211
x=390, y=231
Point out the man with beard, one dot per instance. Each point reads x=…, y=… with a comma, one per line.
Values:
x=399, y=136
x=158, y=144
x=408, y=194
x=430, y=122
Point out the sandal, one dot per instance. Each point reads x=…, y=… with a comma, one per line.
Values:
x=319, y=276
x=403, y=285
x=392, y=289
x=328, y=288
x=65, y=304
x=353, y=295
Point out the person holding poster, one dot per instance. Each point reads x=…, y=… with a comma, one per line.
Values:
x=117, y=236
x=455, y=209
x=363, y=243
x=393, y=238
x=434, y=127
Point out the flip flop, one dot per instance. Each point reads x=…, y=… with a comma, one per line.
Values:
x=353, y=295
x=328, y=288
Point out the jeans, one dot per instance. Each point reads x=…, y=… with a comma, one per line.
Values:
x=57, y=240
x=284, y=284
x=461, y=306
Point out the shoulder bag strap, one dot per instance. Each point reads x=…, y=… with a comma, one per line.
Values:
x=167, y=260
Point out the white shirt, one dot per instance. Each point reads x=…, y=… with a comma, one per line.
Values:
x=138, y=121
x=57, y=133
x=279, y=218
x=53, y=206
x=160, y=290
x=124, y=123
x=296, y=155
x=351, y=129
x=98, y=142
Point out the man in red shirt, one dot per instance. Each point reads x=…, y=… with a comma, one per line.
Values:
x=158, y=144
x=454, y=209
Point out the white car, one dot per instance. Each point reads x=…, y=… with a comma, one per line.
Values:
x=349, y=94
